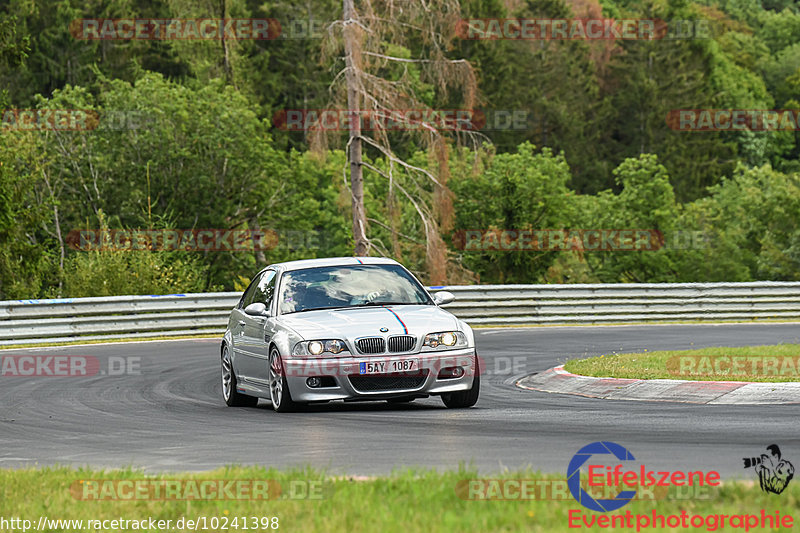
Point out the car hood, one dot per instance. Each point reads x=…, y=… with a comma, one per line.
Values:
x=367, y=321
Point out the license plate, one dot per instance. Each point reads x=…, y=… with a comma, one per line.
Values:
x=389, y=367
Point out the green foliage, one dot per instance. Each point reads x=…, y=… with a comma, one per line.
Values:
x=200, y=158
x=522, y=191
x=780, y=30
x=755, y=221
x=747, y=229
x=109, y=273
x=555, y=83
x=27, y=258
x=186, y=142
x=646, y=202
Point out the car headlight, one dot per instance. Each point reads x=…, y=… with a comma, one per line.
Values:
x=319, y=347
x=445, y=340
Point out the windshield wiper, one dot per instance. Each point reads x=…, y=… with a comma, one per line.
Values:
x=365, y=304
x=316, y=309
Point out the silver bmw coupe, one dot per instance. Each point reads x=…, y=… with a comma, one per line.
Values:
x=347, y=328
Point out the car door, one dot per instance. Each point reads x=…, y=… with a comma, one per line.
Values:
x=253, y=364
x=237, y=323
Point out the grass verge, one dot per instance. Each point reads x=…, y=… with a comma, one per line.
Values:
x=412, y=500
x=776, y=363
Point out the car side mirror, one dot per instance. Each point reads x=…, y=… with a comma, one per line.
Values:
x=443, y=297
x=256, y=309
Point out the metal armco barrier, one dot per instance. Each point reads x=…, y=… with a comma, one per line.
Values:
x=37, y=321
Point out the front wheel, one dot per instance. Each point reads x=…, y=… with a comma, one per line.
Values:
x=278, y=388
x=231, y=396
x=467, y=398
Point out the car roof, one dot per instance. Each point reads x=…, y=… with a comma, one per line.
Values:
x=333, y=261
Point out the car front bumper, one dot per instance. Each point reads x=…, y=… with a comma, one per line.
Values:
x=342, y=375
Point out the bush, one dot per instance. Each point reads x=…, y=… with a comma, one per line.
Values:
x=110, y=273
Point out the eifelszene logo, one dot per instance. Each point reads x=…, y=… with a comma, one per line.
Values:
x=774, y=472
x=625, y=474
x=574, y=476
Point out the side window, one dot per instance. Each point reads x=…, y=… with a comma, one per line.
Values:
x=266, y=288
x=248, y=296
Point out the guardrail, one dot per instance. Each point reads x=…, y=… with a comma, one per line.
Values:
x=38, y=321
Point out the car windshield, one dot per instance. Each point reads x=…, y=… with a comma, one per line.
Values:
x=349, y=286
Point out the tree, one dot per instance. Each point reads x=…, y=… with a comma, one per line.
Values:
x=198, y=158
x=524, y=191
x=27, y=260
x=753, y=220
x=646, y=201
x=381, y=79
x=530, y=76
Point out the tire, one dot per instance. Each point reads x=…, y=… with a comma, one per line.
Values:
x=279, y=392
x=467, y=398
x=232, y=397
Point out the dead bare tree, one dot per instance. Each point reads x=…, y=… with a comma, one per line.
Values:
x=352, y=53
x=382, y=82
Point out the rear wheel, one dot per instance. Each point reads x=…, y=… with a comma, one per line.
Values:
x=467, y=398
x=278, y=388
x=231, y=396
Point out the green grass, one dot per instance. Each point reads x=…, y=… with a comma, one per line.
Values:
x=412, y=500
x=778, y=363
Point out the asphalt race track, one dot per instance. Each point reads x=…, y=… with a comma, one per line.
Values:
x=170, y=416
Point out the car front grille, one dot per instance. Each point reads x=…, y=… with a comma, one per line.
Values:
x=371, y=345
x=401, y=343
x=387, y=383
